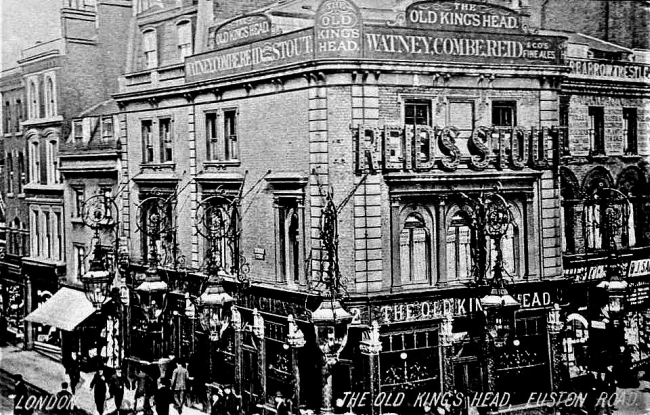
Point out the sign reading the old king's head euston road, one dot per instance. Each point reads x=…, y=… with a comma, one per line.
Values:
x=430, y=31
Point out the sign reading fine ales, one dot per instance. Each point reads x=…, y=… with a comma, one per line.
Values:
x=463, y=16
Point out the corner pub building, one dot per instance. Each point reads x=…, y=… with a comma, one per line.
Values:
x=276, y=108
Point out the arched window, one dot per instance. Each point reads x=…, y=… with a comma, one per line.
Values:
x=414, y=246
x=34, y=162
x=150, y=48
x=184, y=31
x=571, y=201
x=459, y=253
x=52, y=162
x=510, y=248
x=50, y=102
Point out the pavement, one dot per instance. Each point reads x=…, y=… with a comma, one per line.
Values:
x=45, y=375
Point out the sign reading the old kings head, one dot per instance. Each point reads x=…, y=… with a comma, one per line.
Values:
x=238, y=31
x=463, y=16
x=337, y=29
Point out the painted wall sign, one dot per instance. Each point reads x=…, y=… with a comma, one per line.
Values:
x=639, y=292
x=241, y=30
x=592, y=273
x=589, y=69
x=464, y=16
x=639, y=268
x=277, y=51
x=409, y=44
x=387, y=148
x=338, y=29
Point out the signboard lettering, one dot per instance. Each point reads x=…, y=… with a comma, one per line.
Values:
x=277, y=51
x=455, y=15
x=397, y=43
x=338, y=29
x=534, y=299
x=597, y=272
x=272, y=306
x=238, y=31
x=640, y=268
x=607, y=70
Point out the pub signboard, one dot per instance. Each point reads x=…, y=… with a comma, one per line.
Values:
x=430, y=31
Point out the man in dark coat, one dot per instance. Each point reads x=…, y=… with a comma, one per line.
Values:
x=73, y=371
x=64, y=405
x=98, y=384
x=180, y=382
x=20, y=396
x=163, y=398
x=116, y=388
x=281, y=404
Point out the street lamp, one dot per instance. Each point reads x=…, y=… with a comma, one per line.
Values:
x=212, y=305
x=331, y=322
x=97, y=281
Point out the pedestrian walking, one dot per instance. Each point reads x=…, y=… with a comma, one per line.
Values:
x=116, y=389
x=180, y=382
x=20, y=395
x=73, y=371
x=145, y=389
x=163, y=398
x=98, y=385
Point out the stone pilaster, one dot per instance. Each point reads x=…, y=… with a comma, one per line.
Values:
x=370, y=348
x=296, y=341
x=29, y=333
x=446, y=350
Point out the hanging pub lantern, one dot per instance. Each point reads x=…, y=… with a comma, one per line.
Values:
x=152, y=293
x=331, y=322
x=97, y=281
x=213, y=305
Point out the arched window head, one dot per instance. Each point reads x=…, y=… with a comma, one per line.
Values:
x=150, y=48
x=415, y=246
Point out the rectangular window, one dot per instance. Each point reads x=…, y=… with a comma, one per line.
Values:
x=184, y=39
x=107, y=128
x=52, y=162
x=166, y=142
x=150, y=49
x=417, y=112
x=211, y=135
x=59, y=236
x=36, y=234
x=80, y=260
x=47, y=249
x=630, y=130
x=10, y=176
x=6, y=115
x=147, y=142
x=19, y=116
x=290, y=240
x=78, y=131
x=78, y=202
x=34, y=162
x=21, y=172
x=504, y=113
x=230, y=135
x=596, y=130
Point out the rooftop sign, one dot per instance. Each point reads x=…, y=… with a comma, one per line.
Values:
x=238, y=31
x=338, y=29
x=464, y=16
x=590, y=69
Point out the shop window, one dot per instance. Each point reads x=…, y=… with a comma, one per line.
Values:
x=166, y=141
x=34, y=162
x=230, y=135
x=278, y=375
x=409, y=362
x=147, y=142
x=504, y=113
x=211, y=135
x=596, y=127
x=150, y=48
x=415, y=248
x=522, y=363
x=184, y=31
x=289, y=239
x=630, y=130
x=107, y=128
x=459, y=253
